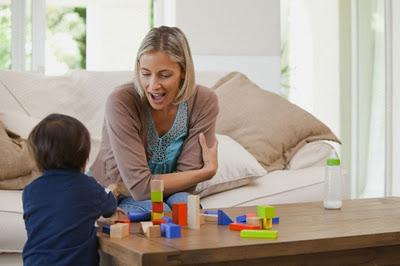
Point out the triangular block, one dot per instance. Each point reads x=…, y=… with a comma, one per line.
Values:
x=223, y=218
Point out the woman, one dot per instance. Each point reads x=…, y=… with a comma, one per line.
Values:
x=158, y=127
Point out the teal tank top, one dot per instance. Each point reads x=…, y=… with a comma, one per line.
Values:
x=164, y=151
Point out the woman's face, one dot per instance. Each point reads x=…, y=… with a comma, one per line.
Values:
x=160, y=77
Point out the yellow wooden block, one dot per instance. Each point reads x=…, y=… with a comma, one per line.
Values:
x=157, y=215
x=267, y=223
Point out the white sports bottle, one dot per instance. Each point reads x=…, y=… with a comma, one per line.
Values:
x=333, y=182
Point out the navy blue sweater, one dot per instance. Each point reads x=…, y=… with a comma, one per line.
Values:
x=60, y=209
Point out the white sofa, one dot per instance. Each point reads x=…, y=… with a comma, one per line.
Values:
x=83, y=94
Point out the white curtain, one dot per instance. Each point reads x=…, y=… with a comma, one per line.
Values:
x=371, y=99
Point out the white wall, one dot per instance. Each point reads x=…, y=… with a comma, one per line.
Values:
x=228, y=35
x=114, y=33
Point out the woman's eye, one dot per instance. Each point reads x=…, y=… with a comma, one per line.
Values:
x=145, y=74
x=165, y=76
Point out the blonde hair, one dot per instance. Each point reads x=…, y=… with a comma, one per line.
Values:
x=172, y=41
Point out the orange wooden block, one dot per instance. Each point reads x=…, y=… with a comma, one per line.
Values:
x=159, y=221
x=239, y=227
x=179, y=214
x=157, y=206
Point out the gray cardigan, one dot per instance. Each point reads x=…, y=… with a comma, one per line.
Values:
x=122, y=157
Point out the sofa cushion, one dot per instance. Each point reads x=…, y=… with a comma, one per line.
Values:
x=12, y=228
x=236, y=167
x=267, y=125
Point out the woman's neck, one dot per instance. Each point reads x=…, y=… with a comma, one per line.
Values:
x=164, y=119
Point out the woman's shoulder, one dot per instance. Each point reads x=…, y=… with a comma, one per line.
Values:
x=203, y=94
x=125, y=96
x=203, y=100
x=124, y=92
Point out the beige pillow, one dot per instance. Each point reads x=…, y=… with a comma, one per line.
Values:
x=17, y=167
x=271, y=128
x=236, y=167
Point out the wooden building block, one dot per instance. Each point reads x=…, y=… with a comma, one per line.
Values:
x=223, y=218
x=119, y=230
x=267, y=223
x=159, y=221
x=180, y=214
x=265, y=211
x=212, y=218
x=157, y=206
x=153, y=231
x=241, y=218
x=202, y=220
x=193, y=211
x=268, y=234
x=275, y=220
x=157, y=185
x=156, y=215
x=242, y=226
x=170, y=230
x=145, y=226
x=254, y=221
x=156, y=196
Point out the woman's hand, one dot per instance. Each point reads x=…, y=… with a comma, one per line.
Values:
x=210, y=156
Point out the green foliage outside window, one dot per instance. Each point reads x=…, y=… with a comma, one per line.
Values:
x=72, y=21
x=5, y=37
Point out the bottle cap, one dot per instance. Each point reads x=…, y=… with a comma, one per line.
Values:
x=333, y=159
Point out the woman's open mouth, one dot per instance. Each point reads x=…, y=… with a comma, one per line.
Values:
x=157, y=97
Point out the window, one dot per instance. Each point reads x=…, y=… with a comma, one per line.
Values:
x=54, y=36
x=5, y=34
x=65, y=38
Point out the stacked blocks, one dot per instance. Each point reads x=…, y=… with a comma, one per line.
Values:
x=266, y=213
x=156, y=190
x=180, y=214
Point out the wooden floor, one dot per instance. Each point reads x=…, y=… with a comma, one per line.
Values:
x=363, y=232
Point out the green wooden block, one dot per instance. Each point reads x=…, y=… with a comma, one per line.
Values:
x=268, y=234
x=156, y=196
x=265, y=211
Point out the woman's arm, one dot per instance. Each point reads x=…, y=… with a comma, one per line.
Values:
x=183, y=180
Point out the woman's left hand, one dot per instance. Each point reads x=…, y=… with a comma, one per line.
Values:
x=210, y=156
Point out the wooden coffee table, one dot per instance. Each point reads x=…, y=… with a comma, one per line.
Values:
x=365, y=231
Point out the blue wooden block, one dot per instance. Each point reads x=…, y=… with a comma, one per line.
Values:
x=163, y=229
x=167, y=219
x=223, y=218
x=170, y=230
x=275, y=220
x=106, y=229
x=136, y=216
x=211, y=212
x=241, y=219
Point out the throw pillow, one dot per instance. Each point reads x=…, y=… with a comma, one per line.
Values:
x=236, y=167
x=17, y=167
x=271, y=128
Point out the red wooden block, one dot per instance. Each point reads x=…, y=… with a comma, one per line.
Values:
x=157, y=206
x=179, y=214
x=239, y=227
x=158, y=221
